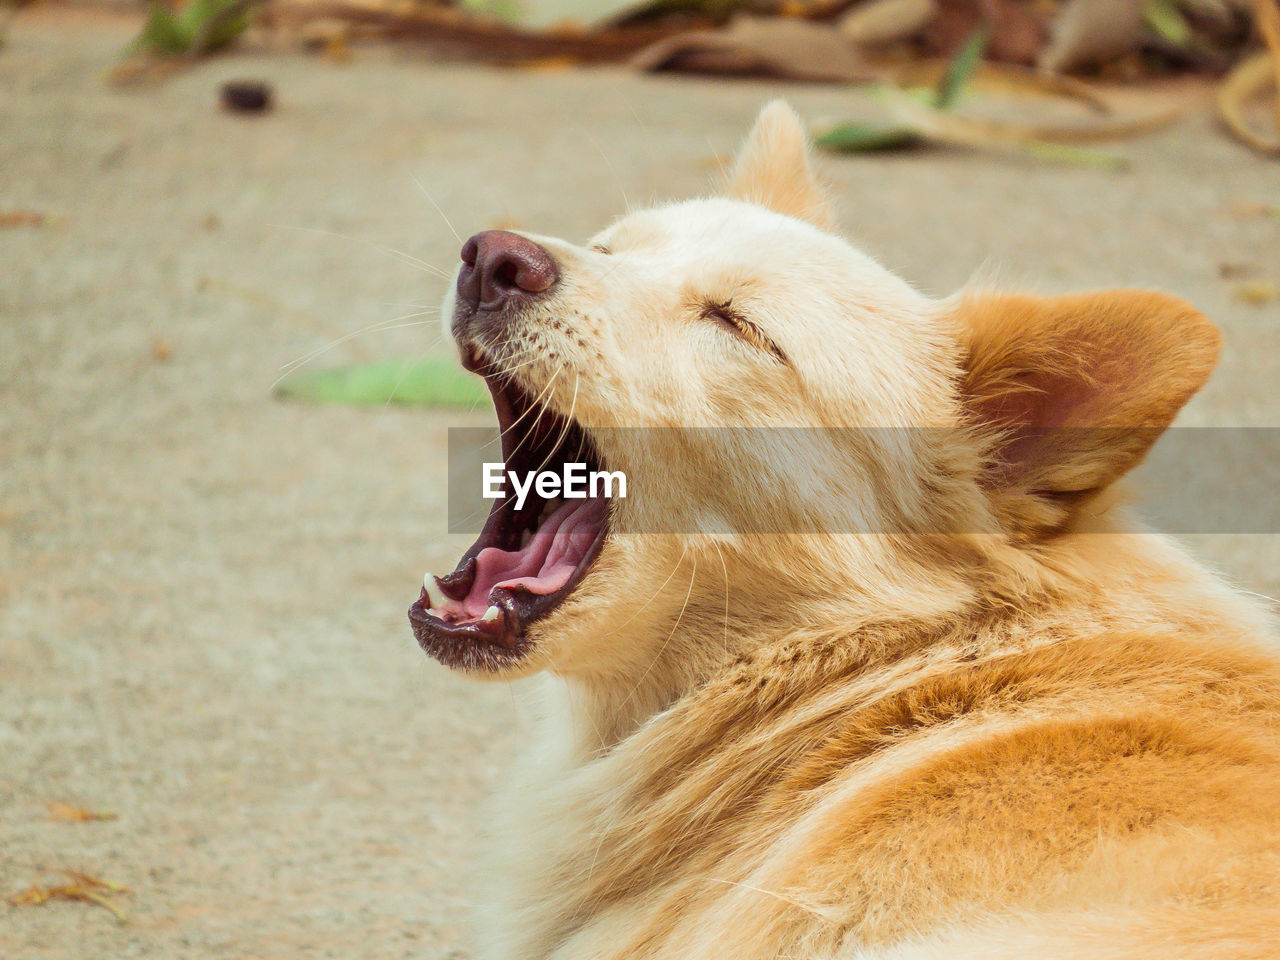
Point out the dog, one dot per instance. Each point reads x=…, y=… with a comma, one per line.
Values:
x=873, y=662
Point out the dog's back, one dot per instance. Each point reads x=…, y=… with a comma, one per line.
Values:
x=1055, y=784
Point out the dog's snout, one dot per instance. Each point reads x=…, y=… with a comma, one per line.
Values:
x=499, y=267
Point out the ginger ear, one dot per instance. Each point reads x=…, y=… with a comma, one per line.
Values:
x=772, y=168
x=1072, y=391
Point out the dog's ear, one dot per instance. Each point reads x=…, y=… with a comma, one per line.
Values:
x=773, y=170
x=1072, y=391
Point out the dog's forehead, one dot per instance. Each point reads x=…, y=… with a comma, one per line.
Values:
x=717, y=238
x=710, y=224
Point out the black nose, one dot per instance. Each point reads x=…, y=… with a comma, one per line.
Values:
x=499, y=267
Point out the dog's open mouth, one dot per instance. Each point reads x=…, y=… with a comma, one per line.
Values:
x=528, y=558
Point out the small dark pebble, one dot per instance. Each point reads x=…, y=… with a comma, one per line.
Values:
x=246, y=96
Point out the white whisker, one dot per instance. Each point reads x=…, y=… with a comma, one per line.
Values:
x=403, y=257
x=534, y=406
x=626, y=203
x=725, y=570
x=432, y=201
x=408, y=367
x=653, y=596
x=573, y=406
x=371, y=328
x=719, y=158
x=293, y=365
x=674, y=627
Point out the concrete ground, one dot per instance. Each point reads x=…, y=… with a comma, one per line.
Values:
x=202, y=590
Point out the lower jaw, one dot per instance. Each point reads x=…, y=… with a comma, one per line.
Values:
x=473, y=654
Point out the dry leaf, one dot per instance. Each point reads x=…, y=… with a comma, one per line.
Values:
x=1005, y=78
x=882, y=22
x=89, y=880
x=1054, y=144
x=975, y=131
x=318, y=34
x=21, y=218
x=548, y=64
x=1217, y=13
x=161, y=350
x=337, y=51
x=1267, y=13
x=1091, y=32
x=1248, y=210
x=71, y=813
x=83, y=887
x=760, y=46
x=1248, y=79
x=1257, y=293
x=1016, y=28
x=483, y=38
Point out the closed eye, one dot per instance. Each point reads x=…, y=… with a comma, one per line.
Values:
x=600, y=248
x=725, y=315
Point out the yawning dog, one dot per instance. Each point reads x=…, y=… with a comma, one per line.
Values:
x=871, y=661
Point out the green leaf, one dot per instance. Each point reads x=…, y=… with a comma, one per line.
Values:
x=961, y=69
x=430, y=381
x=1164, y=17
x=227, y=23
x=508, y=10
x=195, y=13
x=865, y=138
x=162, y=33
x=1072, y=156
x=211, y=24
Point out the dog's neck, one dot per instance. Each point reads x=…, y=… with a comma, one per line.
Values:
x=700, y=629
x=700, y=637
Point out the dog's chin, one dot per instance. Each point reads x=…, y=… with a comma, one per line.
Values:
x=526, y=562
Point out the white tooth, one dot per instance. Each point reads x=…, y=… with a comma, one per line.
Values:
x=493, y=613
x=434, y=594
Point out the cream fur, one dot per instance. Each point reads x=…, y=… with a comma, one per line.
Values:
x=1008, y=723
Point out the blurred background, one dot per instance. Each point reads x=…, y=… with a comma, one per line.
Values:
x=225, y=228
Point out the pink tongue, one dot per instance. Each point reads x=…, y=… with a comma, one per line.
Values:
x=545, y=563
